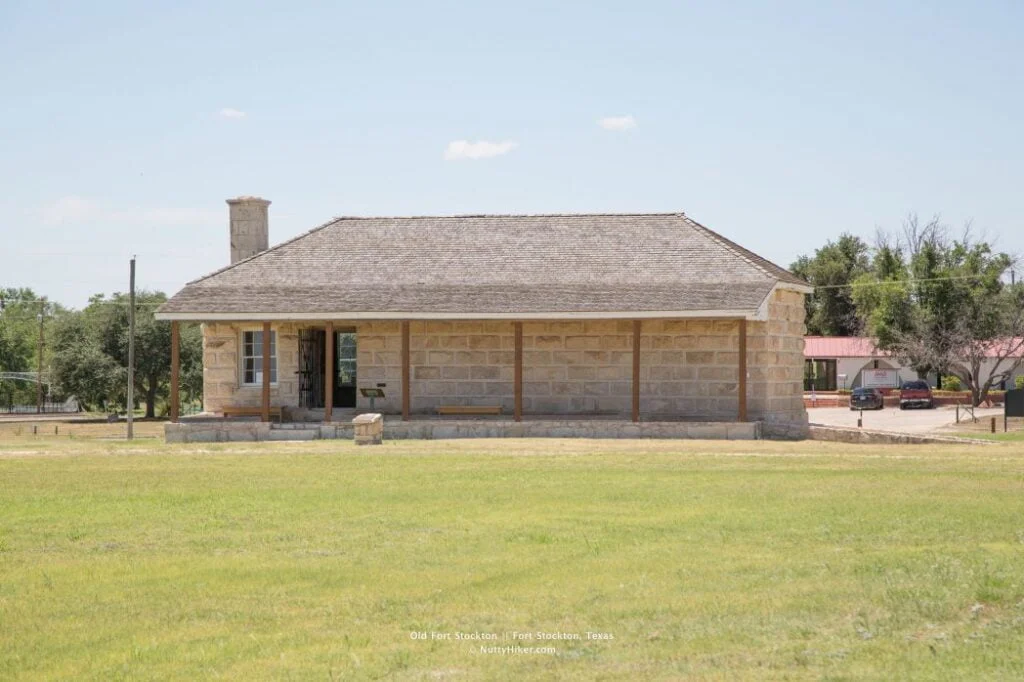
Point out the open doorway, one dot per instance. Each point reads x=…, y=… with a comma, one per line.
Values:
x=345, y=369
x=313, y=365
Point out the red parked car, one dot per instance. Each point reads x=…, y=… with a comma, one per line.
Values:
x=916, y=394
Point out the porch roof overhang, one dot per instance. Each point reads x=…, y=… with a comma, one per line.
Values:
x=752, y=304
x=390, y=315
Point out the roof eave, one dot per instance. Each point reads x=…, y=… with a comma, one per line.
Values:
x=758, y=315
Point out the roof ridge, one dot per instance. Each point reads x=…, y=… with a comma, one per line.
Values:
x=505, y=215
x=746, y=254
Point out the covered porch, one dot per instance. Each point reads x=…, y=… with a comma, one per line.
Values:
x=640, y=369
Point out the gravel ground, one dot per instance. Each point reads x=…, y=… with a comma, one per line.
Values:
x=894, y=419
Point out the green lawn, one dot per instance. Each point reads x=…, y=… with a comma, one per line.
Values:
x=319, y=560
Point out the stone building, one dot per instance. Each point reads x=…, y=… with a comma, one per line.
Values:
x=641, y=317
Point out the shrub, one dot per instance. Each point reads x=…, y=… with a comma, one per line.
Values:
x=952, y=383
x=1019, y=381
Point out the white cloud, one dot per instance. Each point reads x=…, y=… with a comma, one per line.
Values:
x=464, y=149
x=72, y=210
x=617, y=122
x=228, y=112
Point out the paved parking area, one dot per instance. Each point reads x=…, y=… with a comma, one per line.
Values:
x=895, y=419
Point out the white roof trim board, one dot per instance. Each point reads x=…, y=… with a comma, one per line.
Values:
x=492, y=267
x=623, y=315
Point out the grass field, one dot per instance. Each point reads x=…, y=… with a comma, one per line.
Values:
x=983, y=429
x=319, y=560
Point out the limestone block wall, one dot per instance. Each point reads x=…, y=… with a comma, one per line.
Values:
x=452, y=363
x=461, y=363
x=577, y=367
x=775, y=364
x=569, y=367
x=689, y=368
x=222, y=367
x=379, y=361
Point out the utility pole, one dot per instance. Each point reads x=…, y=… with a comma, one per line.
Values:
x=131, y=350
x=39, y=367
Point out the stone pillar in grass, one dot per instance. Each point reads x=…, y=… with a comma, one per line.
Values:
x=369, y=429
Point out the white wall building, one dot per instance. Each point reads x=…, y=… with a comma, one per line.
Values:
x=838, y=362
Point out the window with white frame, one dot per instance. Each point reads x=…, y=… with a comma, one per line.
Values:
x=252, y=358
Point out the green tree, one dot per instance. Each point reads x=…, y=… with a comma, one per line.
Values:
x=19, y=340
x=191, y=364
x=831, y=310
x=152, y=344
x=940, y=303
x=92, y=353
x=80, y=366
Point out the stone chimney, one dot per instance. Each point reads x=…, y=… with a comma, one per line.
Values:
x=250, y=227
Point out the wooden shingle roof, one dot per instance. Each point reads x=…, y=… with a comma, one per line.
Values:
x=490, y=266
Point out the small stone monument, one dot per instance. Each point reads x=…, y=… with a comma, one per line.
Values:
x=369, y=429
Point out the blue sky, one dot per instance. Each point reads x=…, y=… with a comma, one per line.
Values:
x=124, y=126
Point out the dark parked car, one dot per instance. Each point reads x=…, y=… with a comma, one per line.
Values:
x=916, y=394
x=866, y=399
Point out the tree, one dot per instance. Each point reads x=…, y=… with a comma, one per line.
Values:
x=19, y=339
x=940, y=303
x=831, y=310
x=92, y=353
x=152, y=344
x=971, y=351
x=14, y=353
x=82, y=369
x=191, y=356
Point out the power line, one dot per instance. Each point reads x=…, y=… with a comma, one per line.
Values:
x=897, y=281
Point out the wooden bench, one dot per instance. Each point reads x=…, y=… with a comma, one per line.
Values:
x=252, y=412
x=468, y=409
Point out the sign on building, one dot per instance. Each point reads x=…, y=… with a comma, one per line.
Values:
x=879, y=378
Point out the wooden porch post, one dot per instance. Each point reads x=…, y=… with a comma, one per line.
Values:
x=265, y=416
x=329, y=372
x=517, y=387
x=742, y=389
x=405, y=370
x=636, y=370
x=175, y=368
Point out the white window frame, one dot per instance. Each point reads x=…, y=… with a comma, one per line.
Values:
x=242, y=357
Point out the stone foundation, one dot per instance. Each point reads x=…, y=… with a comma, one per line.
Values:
x=217, y=431
x=841, y=434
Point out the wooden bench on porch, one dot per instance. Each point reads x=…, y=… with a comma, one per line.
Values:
x=468, y=409
x=275, y=412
